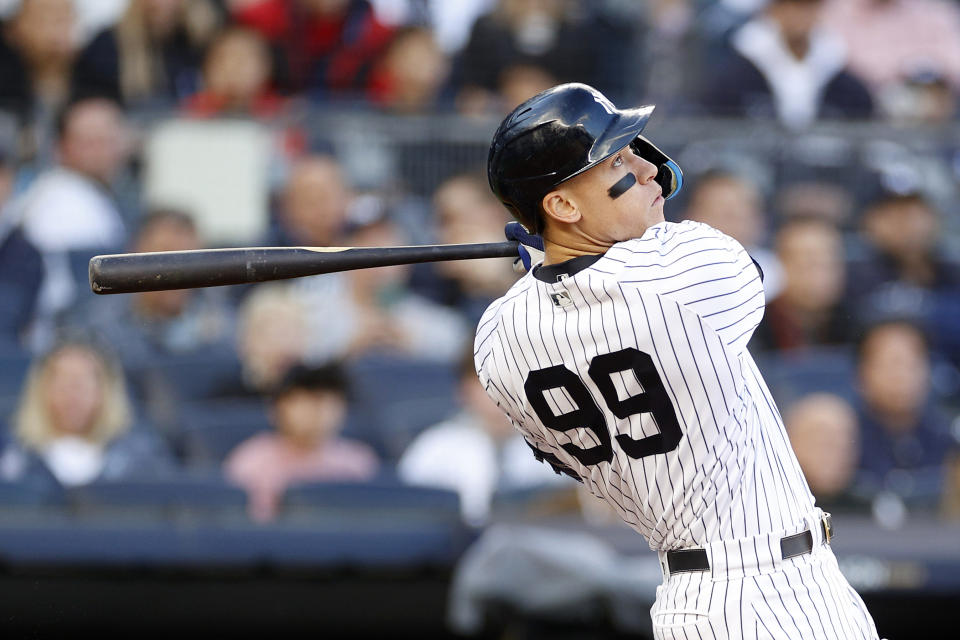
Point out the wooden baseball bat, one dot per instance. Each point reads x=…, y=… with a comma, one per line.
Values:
x=132, y=272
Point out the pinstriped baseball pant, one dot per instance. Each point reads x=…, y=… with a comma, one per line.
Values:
x=747, y=596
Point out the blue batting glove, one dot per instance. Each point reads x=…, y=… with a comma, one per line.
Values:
x=530, y=247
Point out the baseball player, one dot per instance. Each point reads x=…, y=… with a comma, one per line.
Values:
x=622, y=359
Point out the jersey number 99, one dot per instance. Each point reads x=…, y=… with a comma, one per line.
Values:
x=587, y=415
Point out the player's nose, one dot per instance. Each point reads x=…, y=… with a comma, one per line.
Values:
x=643, y=168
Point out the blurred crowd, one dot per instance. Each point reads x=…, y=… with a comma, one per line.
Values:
x=368, y=374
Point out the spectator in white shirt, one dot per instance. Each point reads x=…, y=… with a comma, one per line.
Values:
x=71, y=207
x=372, y=312
x=475, y=453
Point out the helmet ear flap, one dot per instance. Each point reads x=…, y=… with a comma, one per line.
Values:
x=669, y=175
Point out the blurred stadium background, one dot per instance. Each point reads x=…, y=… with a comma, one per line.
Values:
x=315, y=456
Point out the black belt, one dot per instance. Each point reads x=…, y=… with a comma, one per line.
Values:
x=684, y=560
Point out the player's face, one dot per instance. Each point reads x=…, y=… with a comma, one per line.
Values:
x=606, y=219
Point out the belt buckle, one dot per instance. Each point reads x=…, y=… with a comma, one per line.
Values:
x=827, y=523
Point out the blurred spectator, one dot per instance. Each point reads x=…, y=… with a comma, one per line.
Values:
x=890, y=41
x=811, y=309
x=43, y=68
x=903, y=267
x=812, y=198
x=75, y=419
x=733, y=204
x=319, y=46
x=905, y=438
x=236, y=77
x=236, y=83
x=520, y=82
x=71, y=207
x=21, y=266
x=272, y=336
x=313, y=204
x=93, y=16
x=824, y=434
x=536, y=33
x=450, y=21
x=902, y=236
x=475, y=453
x=785, y=63
x=153, y=53
x=923, y=97
x=409, y=77
x=372, y=311
x=36, y=56
x=466, y=211
x=674, y=52
x=308, y=409
x=143, y=327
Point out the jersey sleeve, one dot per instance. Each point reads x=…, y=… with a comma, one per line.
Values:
x=707, y=272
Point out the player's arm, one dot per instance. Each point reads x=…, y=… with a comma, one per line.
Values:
x=540, y=449
x=711, y=274
x=727, y=290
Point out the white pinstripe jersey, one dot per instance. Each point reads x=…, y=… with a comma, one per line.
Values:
x=634, y=373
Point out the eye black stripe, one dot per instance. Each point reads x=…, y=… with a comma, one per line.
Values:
x=621, y=186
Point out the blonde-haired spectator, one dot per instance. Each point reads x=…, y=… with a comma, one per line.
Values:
x=272, y=335
x=75, y=419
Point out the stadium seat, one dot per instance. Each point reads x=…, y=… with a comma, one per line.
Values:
x=382, y=521
x=382, y=502
x=211, y=429
x=29, y=494
x=13, y=371
x=791, y=376
x=196, y=376
x=397, y=398
x=31, y=500
x=194, y=496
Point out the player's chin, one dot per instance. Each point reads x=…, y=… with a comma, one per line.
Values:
x=654, y=213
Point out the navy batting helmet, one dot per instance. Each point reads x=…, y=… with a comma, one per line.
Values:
x=558, y=134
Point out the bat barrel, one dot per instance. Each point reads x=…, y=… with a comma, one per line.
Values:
x=132, y=272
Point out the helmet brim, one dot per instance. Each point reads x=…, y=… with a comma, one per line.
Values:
x=622, y=130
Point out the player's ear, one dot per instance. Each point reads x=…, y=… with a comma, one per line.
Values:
x=560, y=206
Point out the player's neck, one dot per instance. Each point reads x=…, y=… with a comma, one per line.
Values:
x=562, y=249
